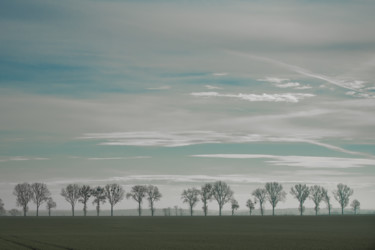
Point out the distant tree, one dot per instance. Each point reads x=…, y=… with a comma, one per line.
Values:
x=114, y=193
x=84, y=196
x=153, y=195
x=355, y=205
x=24, y=195
x=327, y=200
x=175, y=210
x=137, y=193
x=99, y=197
x=222, y=193
x=190, y=196
x=181, y=212
x=49, y=205
x=165, y=211
x=234, y=205
x=342, y=195
x=14, y=212
x=260, y=195
x=251, y=205
x=71, y=195
x=2, y=209
x=206, y=196
x=316, y=195
x=40, y=194
x=169, y=211
x=301, y=193
x=275, y=194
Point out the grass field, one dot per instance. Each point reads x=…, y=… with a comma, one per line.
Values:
x=241, y=232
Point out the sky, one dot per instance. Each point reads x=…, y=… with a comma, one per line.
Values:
x=181, y=93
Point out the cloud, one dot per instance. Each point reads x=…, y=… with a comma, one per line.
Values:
x=22, y=158
x=300, y=161
x=160, y=88
x=288, y=85
x=212, y=87
x=118, y=158
x=220, y=74
x=287, y=97
x=273, y=79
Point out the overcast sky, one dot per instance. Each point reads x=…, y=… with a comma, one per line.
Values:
x=179, y=93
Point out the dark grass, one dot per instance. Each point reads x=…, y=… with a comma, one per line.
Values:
x=242, y=232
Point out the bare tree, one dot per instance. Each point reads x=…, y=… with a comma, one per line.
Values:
x=342, y=195
x=2, y=209
x=206, y=196
x=190, y=196
x=355, y=205
x=260, y=195
x=275, y=194
x=251, y=205
x=327, y=200
x=99, y=197
x=137, y=193
x=175, y=210
x=114, y=193
x=234, y=205
x=71, y=195
x=49, y=205
x=40, y=194
x=222, y=193
x=84, y=196
x=24, y=195
x=14, y=212
x=153, y=195
x=316, y=195
x=301, y=193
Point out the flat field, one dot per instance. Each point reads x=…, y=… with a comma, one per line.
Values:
x=241, y=232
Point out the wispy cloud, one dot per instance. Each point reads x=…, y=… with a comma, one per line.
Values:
x=22, y=158
x=273, y=79
x=117, y=158
x=160, y=88
x=220, y=74
x=300, y=161
x=288, y=85
x=287, y=97
x=212, y=87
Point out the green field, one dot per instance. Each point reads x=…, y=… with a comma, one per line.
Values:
x=241, y=232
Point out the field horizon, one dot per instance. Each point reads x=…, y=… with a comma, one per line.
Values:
x=212, y=232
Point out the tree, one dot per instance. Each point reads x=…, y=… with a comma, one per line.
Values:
x=40, y=194
x=175, y=210
x=153, y=195
x=327, y=200
x=71, y=195
x=355, y=205
x=99, y=197
x=342, y=195
x=234, y=205
x=222, y=193
x=114, y=193
x=316, y=195
x=301, y=193
x=84, y=196
x=2, y=209
x=14, y=212
x=49, y=205
x=251, y=205
x=190, y=196
x=260, y=195
x=24, y=195
x=137, y=193
x=205, y=196
x=275, y=194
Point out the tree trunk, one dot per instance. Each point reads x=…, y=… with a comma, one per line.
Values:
x=316, y=211
x=24, y=210
x=139, y=209
x=219, y=210
x=191, y=210
x=84, y=209
x=273, y=211
x=37, y=210
x=111, y=210
x=301, y=208
x=72, y=210
x=329, y=210
x=49, y=212
x=232, y=212
x=97, y=209
x=342, y=210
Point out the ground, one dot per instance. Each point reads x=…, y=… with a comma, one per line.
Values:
x=241, y=232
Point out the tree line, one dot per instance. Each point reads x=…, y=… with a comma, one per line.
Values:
x=218, y=191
